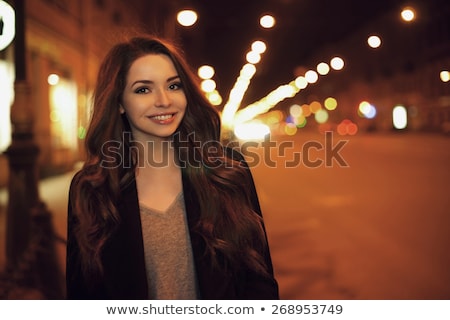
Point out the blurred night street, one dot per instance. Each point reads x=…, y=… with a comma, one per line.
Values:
x=352, y=98
x=378, y=228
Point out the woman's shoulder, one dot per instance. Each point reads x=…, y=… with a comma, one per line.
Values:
x=76, y=176
x=78, y=179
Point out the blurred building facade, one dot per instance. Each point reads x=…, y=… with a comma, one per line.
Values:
x=65, y=41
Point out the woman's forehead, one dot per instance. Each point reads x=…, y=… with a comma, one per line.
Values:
x=152, y=66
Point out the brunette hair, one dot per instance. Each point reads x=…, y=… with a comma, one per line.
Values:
x=232, y=230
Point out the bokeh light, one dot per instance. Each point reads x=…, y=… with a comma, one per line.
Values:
x=208, y=85
x=399, y=117
x=301, y=122
x=445, y=76
x=311, y=76
x=81, y=132
x=267, y=21
x=301, y=82
x=214, y=97
x=187, y=17
x=374, y=41
x=53, y=79
x=251, y=131
x=306, y=110
x=330, y=103
x=323, y=68
x=231, y=115
x=205, y=72
x=367, y=110
x=337, y=63
x=259, y=46
x=315, y=106
x=321, y=116
x=408, y=14
x=253, y=57
x=295, y=110
x=347, y=127
x=290, y=129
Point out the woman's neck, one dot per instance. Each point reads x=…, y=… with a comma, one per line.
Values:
x=158, y=153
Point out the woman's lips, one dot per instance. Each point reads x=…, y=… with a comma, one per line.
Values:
x=165, y=118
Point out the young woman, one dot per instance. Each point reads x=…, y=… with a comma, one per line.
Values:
x=160, y=210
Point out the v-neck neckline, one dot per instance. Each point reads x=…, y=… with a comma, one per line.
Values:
x=162, y=212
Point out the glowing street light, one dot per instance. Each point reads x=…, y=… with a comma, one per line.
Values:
x=445, y=76
x=187, y=18
x=205, y=72
x=253, y=57
x=267, y=21
x=53, y=79
x=208, y=85
x=323, y=68
x=259, y=46
x=408, y=14
x=311, y=76
x=374, y=41
x=337, y=63
x=399, y=117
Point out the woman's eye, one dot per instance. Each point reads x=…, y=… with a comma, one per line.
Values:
x=141, y=90
x=175, y=86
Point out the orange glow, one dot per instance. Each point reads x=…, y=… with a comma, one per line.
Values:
x=306, y=110
x=341, y=129
x=315, y=106
x=347, y=127
x=352, y=129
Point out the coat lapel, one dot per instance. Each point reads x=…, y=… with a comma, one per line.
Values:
x=212, y=284
x=125, y=273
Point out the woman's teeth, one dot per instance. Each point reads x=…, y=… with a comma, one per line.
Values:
x=163, y=117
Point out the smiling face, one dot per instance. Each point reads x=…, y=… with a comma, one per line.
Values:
x=153, y=99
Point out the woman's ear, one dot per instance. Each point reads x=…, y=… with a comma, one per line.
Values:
x=121, y=109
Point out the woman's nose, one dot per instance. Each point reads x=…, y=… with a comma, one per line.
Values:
x=163, y=99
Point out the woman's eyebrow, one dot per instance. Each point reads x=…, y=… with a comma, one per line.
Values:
x=151, y=82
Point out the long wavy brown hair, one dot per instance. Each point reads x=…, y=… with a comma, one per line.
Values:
x=232, y=230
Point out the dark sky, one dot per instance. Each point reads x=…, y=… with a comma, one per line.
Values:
x=226, y=28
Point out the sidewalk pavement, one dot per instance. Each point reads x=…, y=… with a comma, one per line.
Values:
x=53, y=192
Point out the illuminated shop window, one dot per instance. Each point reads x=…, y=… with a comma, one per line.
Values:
x=6, y=100
x=63, y=114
